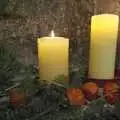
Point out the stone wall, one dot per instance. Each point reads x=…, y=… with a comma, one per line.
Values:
x=26, y=20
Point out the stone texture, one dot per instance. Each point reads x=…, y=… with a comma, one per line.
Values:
x=24, y=21
x=30, y=19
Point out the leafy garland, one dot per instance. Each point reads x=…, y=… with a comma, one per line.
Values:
x=51, y=103
x=48, y=102
x=9, y=66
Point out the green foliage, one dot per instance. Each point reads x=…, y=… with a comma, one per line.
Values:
x=9, y=66
x=28, y=79
x=3, y=6
x=12, y=72
x=117, y=109
x=77, y=76
x=50, y=103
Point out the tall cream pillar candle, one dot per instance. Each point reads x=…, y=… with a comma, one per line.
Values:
x=53, y=57
x=104, y=31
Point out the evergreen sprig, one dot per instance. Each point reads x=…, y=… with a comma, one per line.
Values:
x=9, y=65
x=29, y=80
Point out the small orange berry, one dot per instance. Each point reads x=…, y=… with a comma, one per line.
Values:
x=76, y=96
x=90, y=90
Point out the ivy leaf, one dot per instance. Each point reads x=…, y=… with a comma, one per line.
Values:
x=9, y=65
x=117, y=109
x=61, y=79
x=97, y=105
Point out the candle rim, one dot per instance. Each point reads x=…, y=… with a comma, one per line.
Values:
x=105, y=14
x=47, y=37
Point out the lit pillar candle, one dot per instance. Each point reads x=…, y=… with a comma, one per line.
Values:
x=104, y=31
x=53, y=57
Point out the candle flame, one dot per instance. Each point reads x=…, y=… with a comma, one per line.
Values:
x=52, y=34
